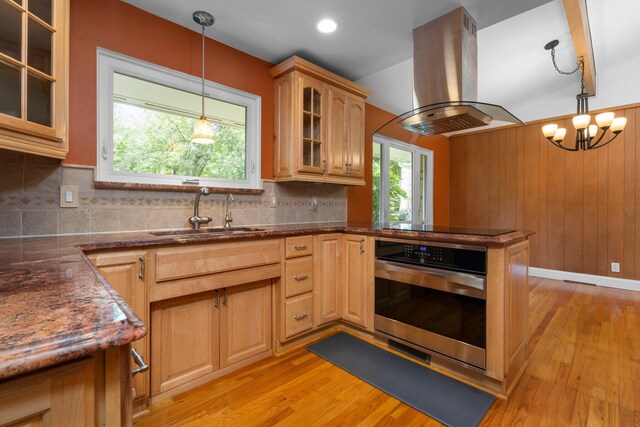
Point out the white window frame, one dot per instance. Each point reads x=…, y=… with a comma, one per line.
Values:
x=417, y=152
x=111, y=62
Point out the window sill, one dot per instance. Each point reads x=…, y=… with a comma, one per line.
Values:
x=106, y=185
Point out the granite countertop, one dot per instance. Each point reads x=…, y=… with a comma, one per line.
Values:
x=57, y=307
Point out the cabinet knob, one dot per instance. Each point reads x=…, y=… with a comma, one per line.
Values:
x=141, y=274
x=304, y=315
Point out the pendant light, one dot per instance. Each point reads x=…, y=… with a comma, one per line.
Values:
x=202, y=130
x=588, y=136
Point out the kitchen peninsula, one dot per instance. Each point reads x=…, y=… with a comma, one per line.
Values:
x=314, y=279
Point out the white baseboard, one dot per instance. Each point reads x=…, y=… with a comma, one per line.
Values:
x=609, y=282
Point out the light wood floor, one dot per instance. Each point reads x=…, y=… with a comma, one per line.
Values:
x=584, y=370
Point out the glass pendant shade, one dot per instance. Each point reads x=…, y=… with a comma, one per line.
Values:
x=604, y=120
x=560, y=134
x=581, y=122
x=592, y=130
x=618, y=124
x=549, y=130
x=203, y=132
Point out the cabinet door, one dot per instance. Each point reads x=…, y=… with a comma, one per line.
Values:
x=328, y=274
x=125, y=273
x=356, y=278
x=184, y=344
x=33, y=77
x=311, y=99
x=338, y=143
x=245, y=322
x=355, y=145
x=516, y=304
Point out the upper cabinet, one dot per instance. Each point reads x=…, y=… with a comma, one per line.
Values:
x=319, y=125
x=33, y=76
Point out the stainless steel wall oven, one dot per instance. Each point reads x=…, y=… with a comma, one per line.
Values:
x=432, y=296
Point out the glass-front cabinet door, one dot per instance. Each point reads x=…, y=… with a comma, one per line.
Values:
x=311, y=150
x=33, y=70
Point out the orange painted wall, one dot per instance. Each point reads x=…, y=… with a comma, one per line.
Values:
x=360, y=207
x=117, y=26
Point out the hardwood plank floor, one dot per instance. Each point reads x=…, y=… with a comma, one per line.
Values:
x=584, y=370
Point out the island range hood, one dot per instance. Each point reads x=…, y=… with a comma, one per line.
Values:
x=445, y=79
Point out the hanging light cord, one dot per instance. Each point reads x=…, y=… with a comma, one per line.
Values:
x=203, y=70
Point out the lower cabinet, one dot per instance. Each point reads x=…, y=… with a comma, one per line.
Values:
x=196, y=335
x=61, y=396
x=357, y=273
x=328, y=274
x=126, y=274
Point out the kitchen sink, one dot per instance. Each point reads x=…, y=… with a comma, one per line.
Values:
x=214, y=230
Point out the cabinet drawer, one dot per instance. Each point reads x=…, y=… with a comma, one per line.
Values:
x=177, y=263
x=298, y=246
x=298, y=315
x=299, y=276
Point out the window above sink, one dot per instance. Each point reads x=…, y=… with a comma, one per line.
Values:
x=146, y=115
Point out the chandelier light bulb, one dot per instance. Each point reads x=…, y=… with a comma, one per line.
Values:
x=592, y=131
x=549, y=130
x=604, y=120
x=581, y=122
x=559, y=135
x=618, y=124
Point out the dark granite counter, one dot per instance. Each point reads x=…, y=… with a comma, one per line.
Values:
x=56, y=307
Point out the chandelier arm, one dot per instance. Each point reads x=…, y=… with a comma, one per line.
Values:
x=593, y=147
x=560, y=145
x=590, y=146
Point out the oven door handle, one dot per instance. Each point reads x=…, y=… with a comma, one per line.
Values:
x=442, y=280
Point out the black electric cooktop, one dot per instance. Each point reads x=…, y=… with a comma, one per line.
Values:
x=445, y=229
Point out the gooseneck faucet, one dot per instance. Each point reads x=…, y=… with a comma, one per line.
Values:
x=227, y=215
x=196, y=219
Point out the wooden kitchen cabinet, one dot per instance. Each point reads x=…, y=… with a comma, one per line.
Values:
x=328, y=278
x=197, y=336
x=245, y=322
x=34, y=64
x=319, y=125
x=345, y=151
x=63, y=396
x=126, y=274
x=357, y=276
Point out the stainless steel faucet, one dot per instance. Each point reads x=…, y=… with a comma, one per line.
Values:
x=227, y=215
x=196, y=220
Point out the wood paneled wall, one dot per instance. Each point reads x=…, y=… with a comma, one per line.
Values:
x=581, y=205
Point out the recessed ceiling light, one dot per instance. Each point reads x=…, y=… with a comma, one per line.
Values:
x=327, y=26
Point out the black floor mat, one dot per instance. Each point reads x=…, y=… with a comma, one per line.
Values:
x=449, y=401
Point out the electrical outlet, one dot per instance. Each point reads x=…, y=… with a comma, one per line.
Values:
x=615, y=267
x=314, y=203
x=68, y=196
x=273, y=200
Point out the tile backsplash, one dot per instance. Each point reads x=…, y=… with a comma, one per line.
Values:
x=30, y=202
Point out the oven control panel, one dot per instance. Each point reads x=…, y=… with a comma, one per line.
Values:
x=433, y=255
x=424, y=253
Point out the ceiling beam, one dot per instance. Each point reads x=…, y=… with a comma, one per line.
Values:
x=578, y=20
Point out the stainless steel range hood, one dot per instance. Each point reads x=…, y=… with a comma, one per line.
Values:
x=445, y=79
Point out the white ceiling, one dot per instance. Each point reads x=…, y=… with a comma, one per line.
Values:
x=373, y=45
x=371, y=34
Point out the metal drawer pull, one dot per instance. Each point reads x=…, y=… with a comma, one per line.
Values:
x=300, y=277
x=217, y=303
x=141, y=274
x=304, y=315
x=225, y=298
x=142, y=366
x=301, y=247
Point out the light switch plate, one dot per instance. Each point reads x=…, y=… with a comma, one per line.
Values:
x=68, y=196
x=273, y=200
x=615, y=267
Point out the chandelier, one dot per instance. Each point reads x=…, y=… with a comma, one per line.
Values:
x=588, y=136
